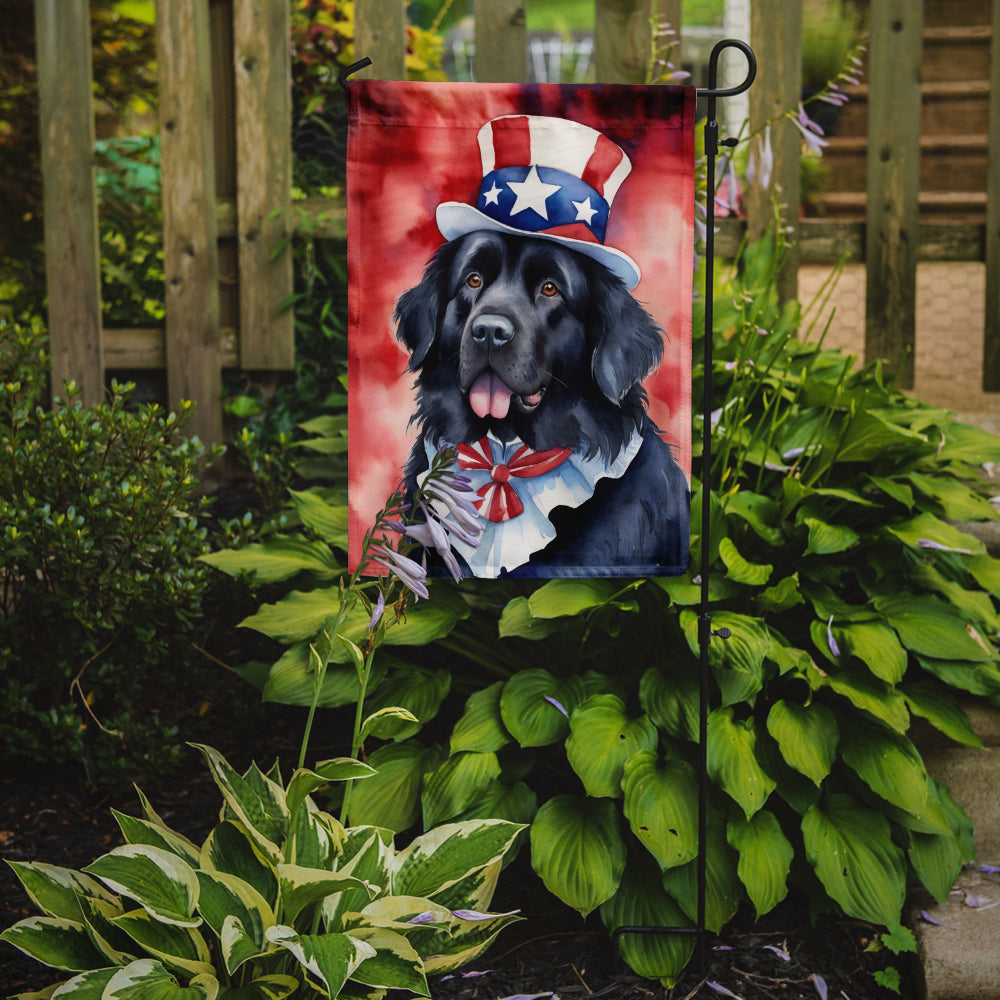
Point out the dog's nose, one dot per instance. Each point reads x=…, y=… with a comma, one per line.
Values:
x=492, y=330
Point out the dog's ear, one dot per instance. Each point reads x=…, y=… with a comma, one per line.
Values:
x=419, y=311
x=628, y=342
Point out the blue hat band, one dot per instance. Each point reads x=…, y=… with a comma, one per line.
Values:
x=564, y=199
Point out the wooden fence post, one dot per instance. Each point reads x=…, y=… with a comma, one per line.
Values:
x=262, y=61
x=622, y=40
x=380, y=34
x=892, y=214
x=501, y=41
x=776, y=35
x=72, y=255
x=190, y=251
x=991, y=332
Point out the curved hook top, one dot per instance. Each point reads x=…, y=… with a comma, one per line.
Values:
x=348, y=70
x=713, y=69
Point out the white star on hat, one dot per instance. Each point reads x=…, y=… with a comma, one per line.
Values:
x=584, y=213
x=531, y=193
x=493, y=195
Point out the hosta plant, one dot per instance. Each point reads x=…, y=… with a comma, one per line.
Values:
x=279, y=900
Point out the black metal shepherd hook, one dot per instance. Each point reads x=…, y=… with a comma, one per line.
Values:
x=705, y=631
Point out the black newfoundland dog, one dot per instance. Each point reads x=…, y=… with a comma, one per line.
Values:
x=522, y=337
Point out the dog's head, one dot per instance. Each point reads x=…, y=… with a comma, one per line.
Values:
x=523, y=336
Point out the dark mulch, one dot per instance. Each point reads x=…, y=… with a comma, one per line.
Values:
x=551, y=951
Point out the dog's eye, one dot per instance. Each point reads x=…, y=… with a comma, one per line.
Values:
x=474, y=280
x=549, y=289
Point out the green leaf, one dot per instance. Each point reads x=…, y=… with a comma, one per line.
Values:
x=527, y=709
x=723, y=889
x=181, y=948
x=330, y=959
x=141, y=831
x=876, y=646
x=560, y=598
x=956, y=500
x=260, y=809
x=738, y=661
x=866, y=692
x=986, y=571
x=225, y=897
x=807, y=736
x=516, y=803
x=928, y=528
x=292, y=680
x=850, y=848
x=760, y=512
x=301, y=887
x=931, y=628
x=275, y=987
x=765, y=858
x=828, y=539
x=738, y=569
x=577, y=850
x=456, y=784
x=601, y=739
x=164, y=885
x=438, y=859
x=327, y=520
x=941, y=709
x=395, y=964
x=54, y=941
x=518, y=621
x=937, y=860
x=640, y=901
x=230, y=849
x=304, y=782
x=672, y=700
x=783, y=595
x=56, y=891
x=481, y=728
x=661, y=799
x=147, y=979
x=391, y=798
x=888, y=763
x=732, y=760
x=976, y=678
x=387, y=722
x=965, y=443
x=870, y=435
x=279, y=558
x=418, y=691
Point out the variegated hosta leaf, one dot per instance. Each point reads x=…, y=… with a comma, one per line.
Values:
x=765, y=858
x=441, y=857
x=56, y=891
x=149, y=980
x=116, y=947
x=54, y=941
x=578, y=851
x=274, y=987
x=301, y=887
x=475, y=891
x=888, y=763
x=481, y=727
x=86, y=986
x=535, y=706
x=661, y=799
x=367, y=853
x=850, y=847
x=177, y=947
x=395, y=964
x=230, y=849
x=256, y=801
x=225, y=897
x=141, y=831
x=304, y=782
x=723, y=889
x=456, y=784
x=158, y=880
x=602, y=737
x=732, y=760
x=467, y=940
x=315, y=838
x=642, y=902
x=329, y=959
x=807, y=736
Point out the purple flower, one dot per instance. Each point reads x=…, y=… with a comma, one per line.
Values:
x=475, y=915
x=411, y=574
x=760, y=166
x=780, y=952
x=927, y=543
x=558, y=705
x=820, y=983
x=377, y=611
x=427, y=917
x=719, y=988
x=811, y=132
x=431, y=535
x=461, y=507
x=834, y=648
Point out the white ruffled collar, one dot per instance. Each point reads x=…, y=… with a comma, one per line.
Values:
x=505, y=545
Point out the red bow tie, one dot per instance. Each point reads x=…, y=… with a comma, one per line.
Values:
x=497, y=498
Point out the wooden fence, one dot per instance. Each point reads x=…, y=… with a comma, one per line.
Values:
x=226, y=160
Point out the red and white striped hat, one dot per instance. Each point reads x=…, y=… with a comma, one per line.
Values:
x=546, y=177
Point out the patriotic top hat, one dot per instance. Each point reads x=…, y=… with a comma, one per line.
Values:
x=546, y=177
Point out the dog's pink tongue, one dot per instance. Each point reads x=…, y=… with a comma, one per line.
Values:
x=489, y=396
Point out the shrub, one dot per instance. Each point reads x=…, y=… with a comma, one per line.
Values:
x=280, y=899
x=854, y=602
x=99, y=539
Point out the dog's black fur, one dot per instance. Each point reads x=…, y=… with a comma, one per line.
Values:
x=572, y=346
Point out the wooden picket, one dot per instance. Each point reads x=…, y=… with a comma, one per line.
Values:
x=226, y=161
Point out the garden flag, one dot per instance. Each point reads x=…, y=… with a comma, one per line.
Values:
x=520, y=271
